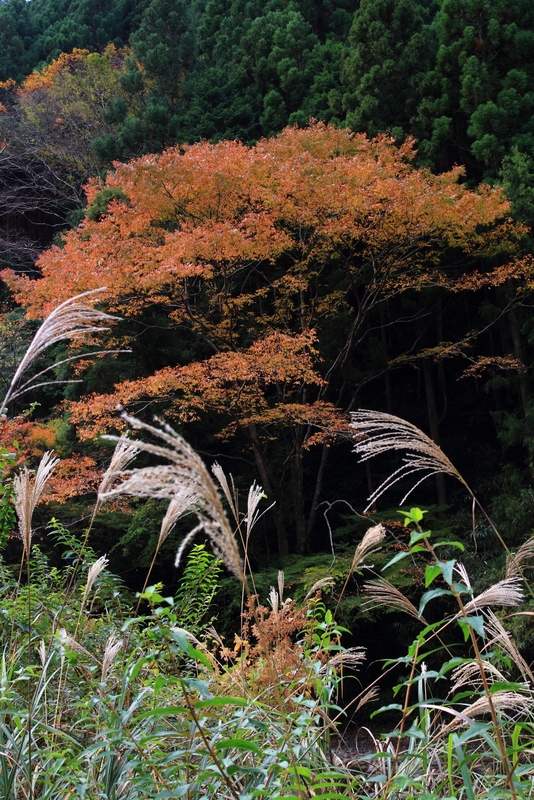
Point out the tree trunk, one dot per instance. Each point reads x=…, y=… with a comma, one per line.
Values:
x=433, y=421
x=297, y=481
x=387, y=375
x=517, y=342
x=278, y=512
x=317, y=492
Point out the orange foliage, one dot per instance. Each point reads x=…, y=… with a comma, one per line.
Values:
x=63, y=106
x=73, y=477
x=254, y=249
x=14, y=435
x=221, y=213
x=65, y=68
x=45, y=78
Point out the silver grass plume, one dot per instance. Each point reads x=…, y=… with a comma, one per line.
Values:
x=213, y=633
x=70, y=319
x=323, y=583
x=113, y=645
x=230, y=494
x=66, y=640
x=186, y=633
x=351, y=658
x=501, y=701
x=273, y=600
x=185, y=541
x=176, y=509
x=504, y=593
x=124, y=453
x=281, y=581
x=28, y=493
x=185, y=475
x=367, y=697
x=369, y=544
x=468, y=674
x=514, y=561
x=383, y=593
x=499, y=636
x=94, y=571
x=255, y=493
x=380, y=433
x=42, y=652
x=462, y=572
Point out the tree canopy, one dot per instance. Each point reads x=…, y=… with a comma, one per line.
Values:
x=268, y=264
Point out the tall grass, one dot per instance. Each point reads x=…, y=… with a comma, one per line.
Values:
x=99, y=702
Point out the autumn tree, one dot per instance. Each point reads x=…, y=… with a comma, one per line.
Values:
x=48, y=126
x=268, y=264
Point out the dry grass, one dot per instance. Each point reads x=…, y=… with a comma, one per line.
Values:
x=378, y=433
x=70, y=320
x=516, y=561
x=507, y=592
x=27, y=495
x=185, y=480
x=382, y=593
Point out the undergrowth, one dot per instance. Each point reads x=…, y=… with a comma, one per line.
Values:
x=100, y=698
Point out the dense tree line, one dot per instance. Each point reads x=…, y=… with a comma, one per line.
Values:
x=455, y=74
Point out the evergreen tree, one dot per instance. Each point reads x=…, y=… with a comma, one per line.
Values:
x=16, y=35
x=480, y=102
x=35, y=33
x=392, y=46
x=164, y=53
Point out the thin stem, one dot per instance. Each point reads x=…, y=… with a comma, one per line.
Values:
x=487, y=692
x=215, y=758
x=480, y=662
x=30, y=689
x=403, y=721
x=75, y=570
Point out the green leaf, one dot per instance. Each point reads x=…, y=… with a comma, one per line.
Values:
x=198, y=685
x=416, y=536
x=304, y=771
x=390, y=707
x=446, y=568
x=396, y=558
x=431, y=572
x=506, y=686
x=430, y=596
x=459, y=545
x=475, y=622
x=413, y=515
x=164, y=711
x=185, y=645
x=464, y=769
x=221, y=701
x=239, y=744
x=465, y=628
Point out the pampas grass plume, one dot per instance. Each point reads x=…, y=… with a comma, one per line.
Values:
x=185, y=475
x=28, y=493
x=94, y=571
x=70, y=319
